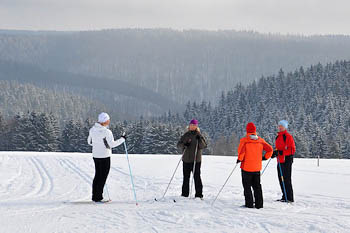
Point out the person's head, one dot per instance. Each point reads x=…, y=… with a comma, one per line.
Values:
x=193, y=125
x=251, y=128
x=104, y=119
x=282, y=125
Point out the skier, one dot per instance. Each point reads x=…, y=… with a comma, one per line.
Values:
x=250, y=155
x=102, y=141
x=285, y=150
x=191, y=145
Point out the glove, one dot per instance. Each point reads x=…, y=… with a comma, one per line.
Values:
x=274, y=154
x=263, y=158
x=238, y=161
x=123, y=135
x=198, y=137
x=188, y=143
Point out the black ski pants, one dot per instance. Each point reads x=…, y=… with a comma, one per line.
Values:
x=187, y=169
x=252, y=180
x=286, y=168
x=102, y=166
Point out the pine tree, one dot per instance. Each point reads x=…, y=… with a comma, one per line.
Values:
x=54, y=133
x=136, y=138
x=68, y=137
x=118, y=130
x=80, y=135
x=334, y=150
x=3, y=138
x=22, y=136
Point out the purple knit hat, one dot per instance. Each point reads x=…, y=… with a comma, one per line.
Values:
x=193, y=122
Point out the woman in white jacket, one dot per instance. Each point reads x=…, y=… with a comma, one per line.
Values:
x=102, y=141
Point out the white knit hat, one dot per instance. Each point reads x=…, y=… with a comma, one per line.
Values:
x=103, y=117
x=284, y=123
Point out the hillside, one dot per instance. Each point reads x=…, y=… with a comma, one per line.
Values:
x=180, y=65
x=121, y=99
x=38, y=192
x=19, y=98
x=315, y=101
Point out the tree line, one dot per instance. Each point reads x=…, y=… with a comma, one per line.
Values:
x=42, y=132
x=315, y=101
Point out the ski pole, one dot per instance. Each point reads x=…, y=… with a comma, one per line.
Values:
x=284, y=187
x=194, y=169
x=224, y=184
x=172, y=177
x=266, y=166
x=132, y=181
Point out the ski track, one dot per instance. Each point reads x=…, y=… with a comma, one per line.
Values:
x=83, y=175
x=10, y=187
x=41, y=191
x=46, y=180
x=34, y=188
x=40, y=179
x=137, y=179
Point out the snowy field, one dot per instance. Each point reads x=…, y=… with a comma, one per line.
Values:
x=35, y=188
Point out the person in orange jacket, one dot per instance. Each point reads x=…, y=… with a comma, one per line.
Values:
x=250, y=155
x=285, y=150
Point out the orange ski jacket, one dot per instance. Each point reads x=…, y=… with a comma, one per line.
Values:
x=250, y=152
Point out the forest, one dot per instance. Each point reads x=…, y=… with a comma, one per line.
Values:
x=315, y=100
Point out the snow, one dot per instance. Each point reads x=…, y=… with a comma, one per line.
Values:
x=35, y=188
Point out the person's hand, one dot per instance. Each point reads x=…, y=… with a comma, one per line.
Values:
x=263, y=158
x=124, y=135
x=274, y=154
x=198, y=136
x=238, y=161
x=188, y=143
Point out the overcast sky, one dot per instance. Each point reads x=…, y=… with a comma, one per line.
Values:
x=283, y=16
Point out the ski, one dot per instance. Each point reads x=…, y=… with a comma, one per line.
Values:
x=158, y=200
x=103, y=202
x=284, y=201
x=202, y=199
x=87, y=202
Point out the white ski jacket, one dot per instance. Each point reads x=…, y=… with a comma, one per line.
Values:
x=97, y=134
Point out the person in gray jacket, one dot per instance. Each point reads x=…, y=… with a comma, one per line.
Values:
x=191, y=145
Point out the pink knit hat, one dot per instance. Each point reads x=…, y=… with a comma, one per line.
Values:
x=193, y=122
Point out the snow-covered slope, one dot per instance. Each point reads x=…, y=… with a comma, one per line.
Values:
x=34, y=189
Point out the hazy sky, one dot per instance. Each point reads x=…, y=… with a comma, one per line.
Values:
x=284, y=16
